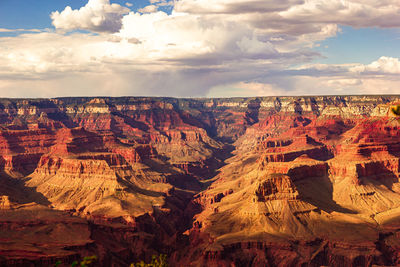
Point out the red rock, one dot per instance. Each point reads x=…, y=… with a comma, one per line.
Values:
x=310, y=181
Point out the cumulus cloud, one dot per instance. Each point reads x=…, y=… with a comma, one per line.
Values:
x=193, y=41
x=384, y=65
x=202, y=48
x=96, y=15
x=85, y=64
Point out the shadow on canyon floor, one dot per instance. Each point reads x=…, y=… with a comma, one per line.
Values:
x=18, y=192
x=318, y=191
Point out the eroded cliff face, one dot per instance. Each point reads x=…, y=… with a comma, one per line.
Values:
x=274, y=181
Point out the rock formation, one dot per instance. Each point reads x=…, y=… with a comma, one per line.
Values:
x=267, y=181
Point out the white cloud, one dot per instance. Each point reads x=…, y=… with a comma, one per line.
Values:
x=384, y=65
x=240, y=47
x=96, y=15
x=46, y=54
x=346, y=12
x=148, y=9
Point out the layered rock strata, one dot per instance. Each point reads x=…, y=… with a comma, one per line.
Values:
x=267, y=181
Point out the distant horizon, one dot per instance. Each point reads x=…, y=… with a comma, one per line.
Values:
x=194, y=98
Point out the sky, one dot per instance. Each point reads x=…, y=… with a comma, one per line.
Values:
x=199, y=48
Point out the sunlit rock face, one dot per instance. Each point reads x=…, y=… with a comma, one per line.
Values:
x=271, y=181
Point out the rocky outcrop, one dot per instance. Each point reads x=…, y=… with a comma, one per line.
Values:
x=276, y=187
x=263, y=181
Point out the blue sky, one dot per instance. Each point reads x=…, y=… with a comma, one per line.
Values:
x=350, y=45
x=28, y=14
x=361, y=45
x=203, y=48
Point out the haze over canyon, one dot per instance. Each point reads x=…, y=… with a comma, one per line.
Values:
x=262, y=181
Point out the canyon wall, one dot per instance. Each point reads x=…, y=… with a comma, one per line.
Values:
x=263, y=181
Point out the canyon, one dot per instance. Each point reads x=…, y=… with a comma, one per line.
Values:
x=261, y=181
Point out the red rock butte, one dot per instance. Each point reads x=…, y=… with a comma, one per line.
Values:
x=263, y=181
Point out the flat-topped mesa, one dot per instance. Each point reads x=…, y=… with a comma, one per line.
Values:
x=301, y=168
x=289, y=150
x=289, y=143
x=76, y=168
x=292, y=155
x=272, y=143
x=179, y=136
x=100, y=187
x=71, y=183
